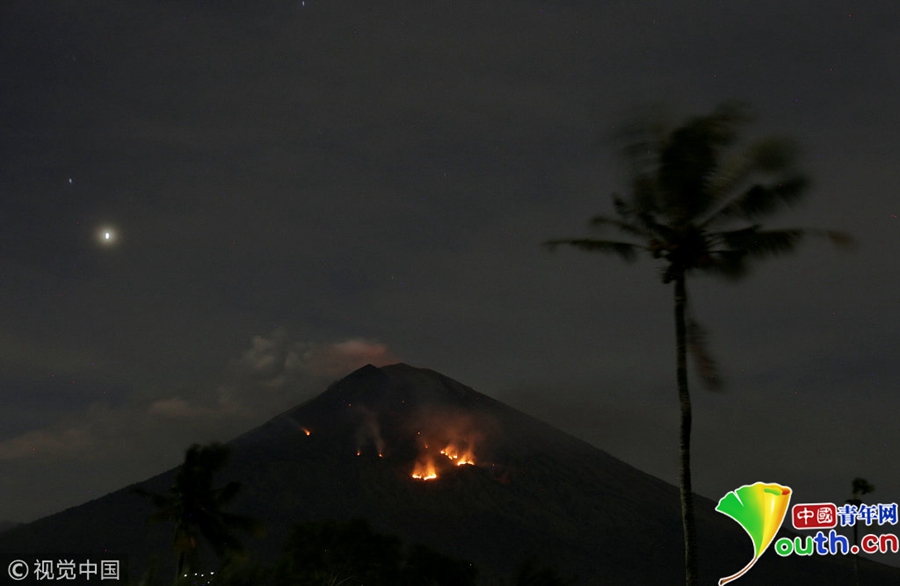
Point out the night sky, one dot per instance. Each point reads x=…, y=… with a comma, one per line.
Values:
x=295, y=189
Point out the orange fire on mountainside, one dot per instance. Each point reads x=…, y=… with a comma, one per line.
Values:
x=458, y=438
x=439, y=440
x=459, y=456
x=424, y=470
x=429, y=463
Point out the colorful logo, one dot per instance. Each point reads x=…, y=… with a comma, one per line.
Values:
x=760, y=509
x=814, y=516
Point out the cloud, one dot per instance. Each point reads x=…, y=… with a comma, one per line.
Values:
x=179, y=408
x=47, y=443
x=274, y=361
x=344, y=357
x=272, y=375
x=173, y=407
x=107, y=446
x=88, y=435
x=267, y=358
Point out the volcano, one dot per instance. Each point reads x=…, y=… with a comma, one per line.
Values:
x=424, y=457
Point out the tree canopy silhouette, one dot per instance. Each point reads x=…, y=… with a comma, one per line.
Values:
x=696, y=202
x=197, y=509
x=861, y=487
x=328, y=553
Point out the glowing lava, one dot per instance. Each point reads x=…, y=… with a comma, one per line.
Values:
x=306, y=431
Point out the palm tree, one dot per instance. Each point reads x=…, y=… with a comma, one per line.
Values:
x=197, y=508
x=695, y=202
x=861, y=487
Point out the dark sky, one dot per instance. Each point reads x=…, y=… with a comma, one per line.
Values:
x=296, y=189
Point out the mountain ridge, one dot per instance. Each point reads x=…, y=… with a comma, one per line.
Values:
x=508, y=486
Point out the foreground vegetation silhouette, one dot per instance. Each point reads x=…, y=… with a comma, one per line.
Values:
x=321, y=553
x=332, y=553
x=198, y=509
x=696, y=202
x=329, y=552
x=860, y=488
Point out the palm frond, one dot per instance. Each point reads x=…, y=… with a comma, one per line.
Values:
x=622, y=207
x=159, y=500
x=692, y=156
x=645, y=201
x=861, y=487
x=212, y=458
x=226, y=494
x=622, y=226
x=638, y=215
x=758, y=243
x=766, y=156
x=762, y=200
x=773, y=154
x=163, y=515
x=728, y=264
x=685, y=164
x=839, y=239
x=732, y=172
x=626, y=250
x=640, y=152
x=641, y=136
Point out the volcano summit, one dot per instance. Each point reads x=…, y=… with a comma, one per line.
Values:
x=424, y=457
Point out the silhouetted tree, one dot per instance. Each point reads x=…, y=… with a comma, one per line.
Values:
x=696, y=204
x=197, y=509
x=328, y=552
x=860, y=487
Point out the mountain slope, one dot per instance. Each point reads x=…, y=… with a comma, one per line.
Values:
x=351, y=453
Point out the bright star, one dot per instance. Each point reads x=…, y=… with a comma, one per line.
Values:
x=107, y=236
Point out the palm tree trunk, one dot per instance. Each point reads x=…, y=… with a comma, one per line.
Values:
x=684, y=445
x=180, y=568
